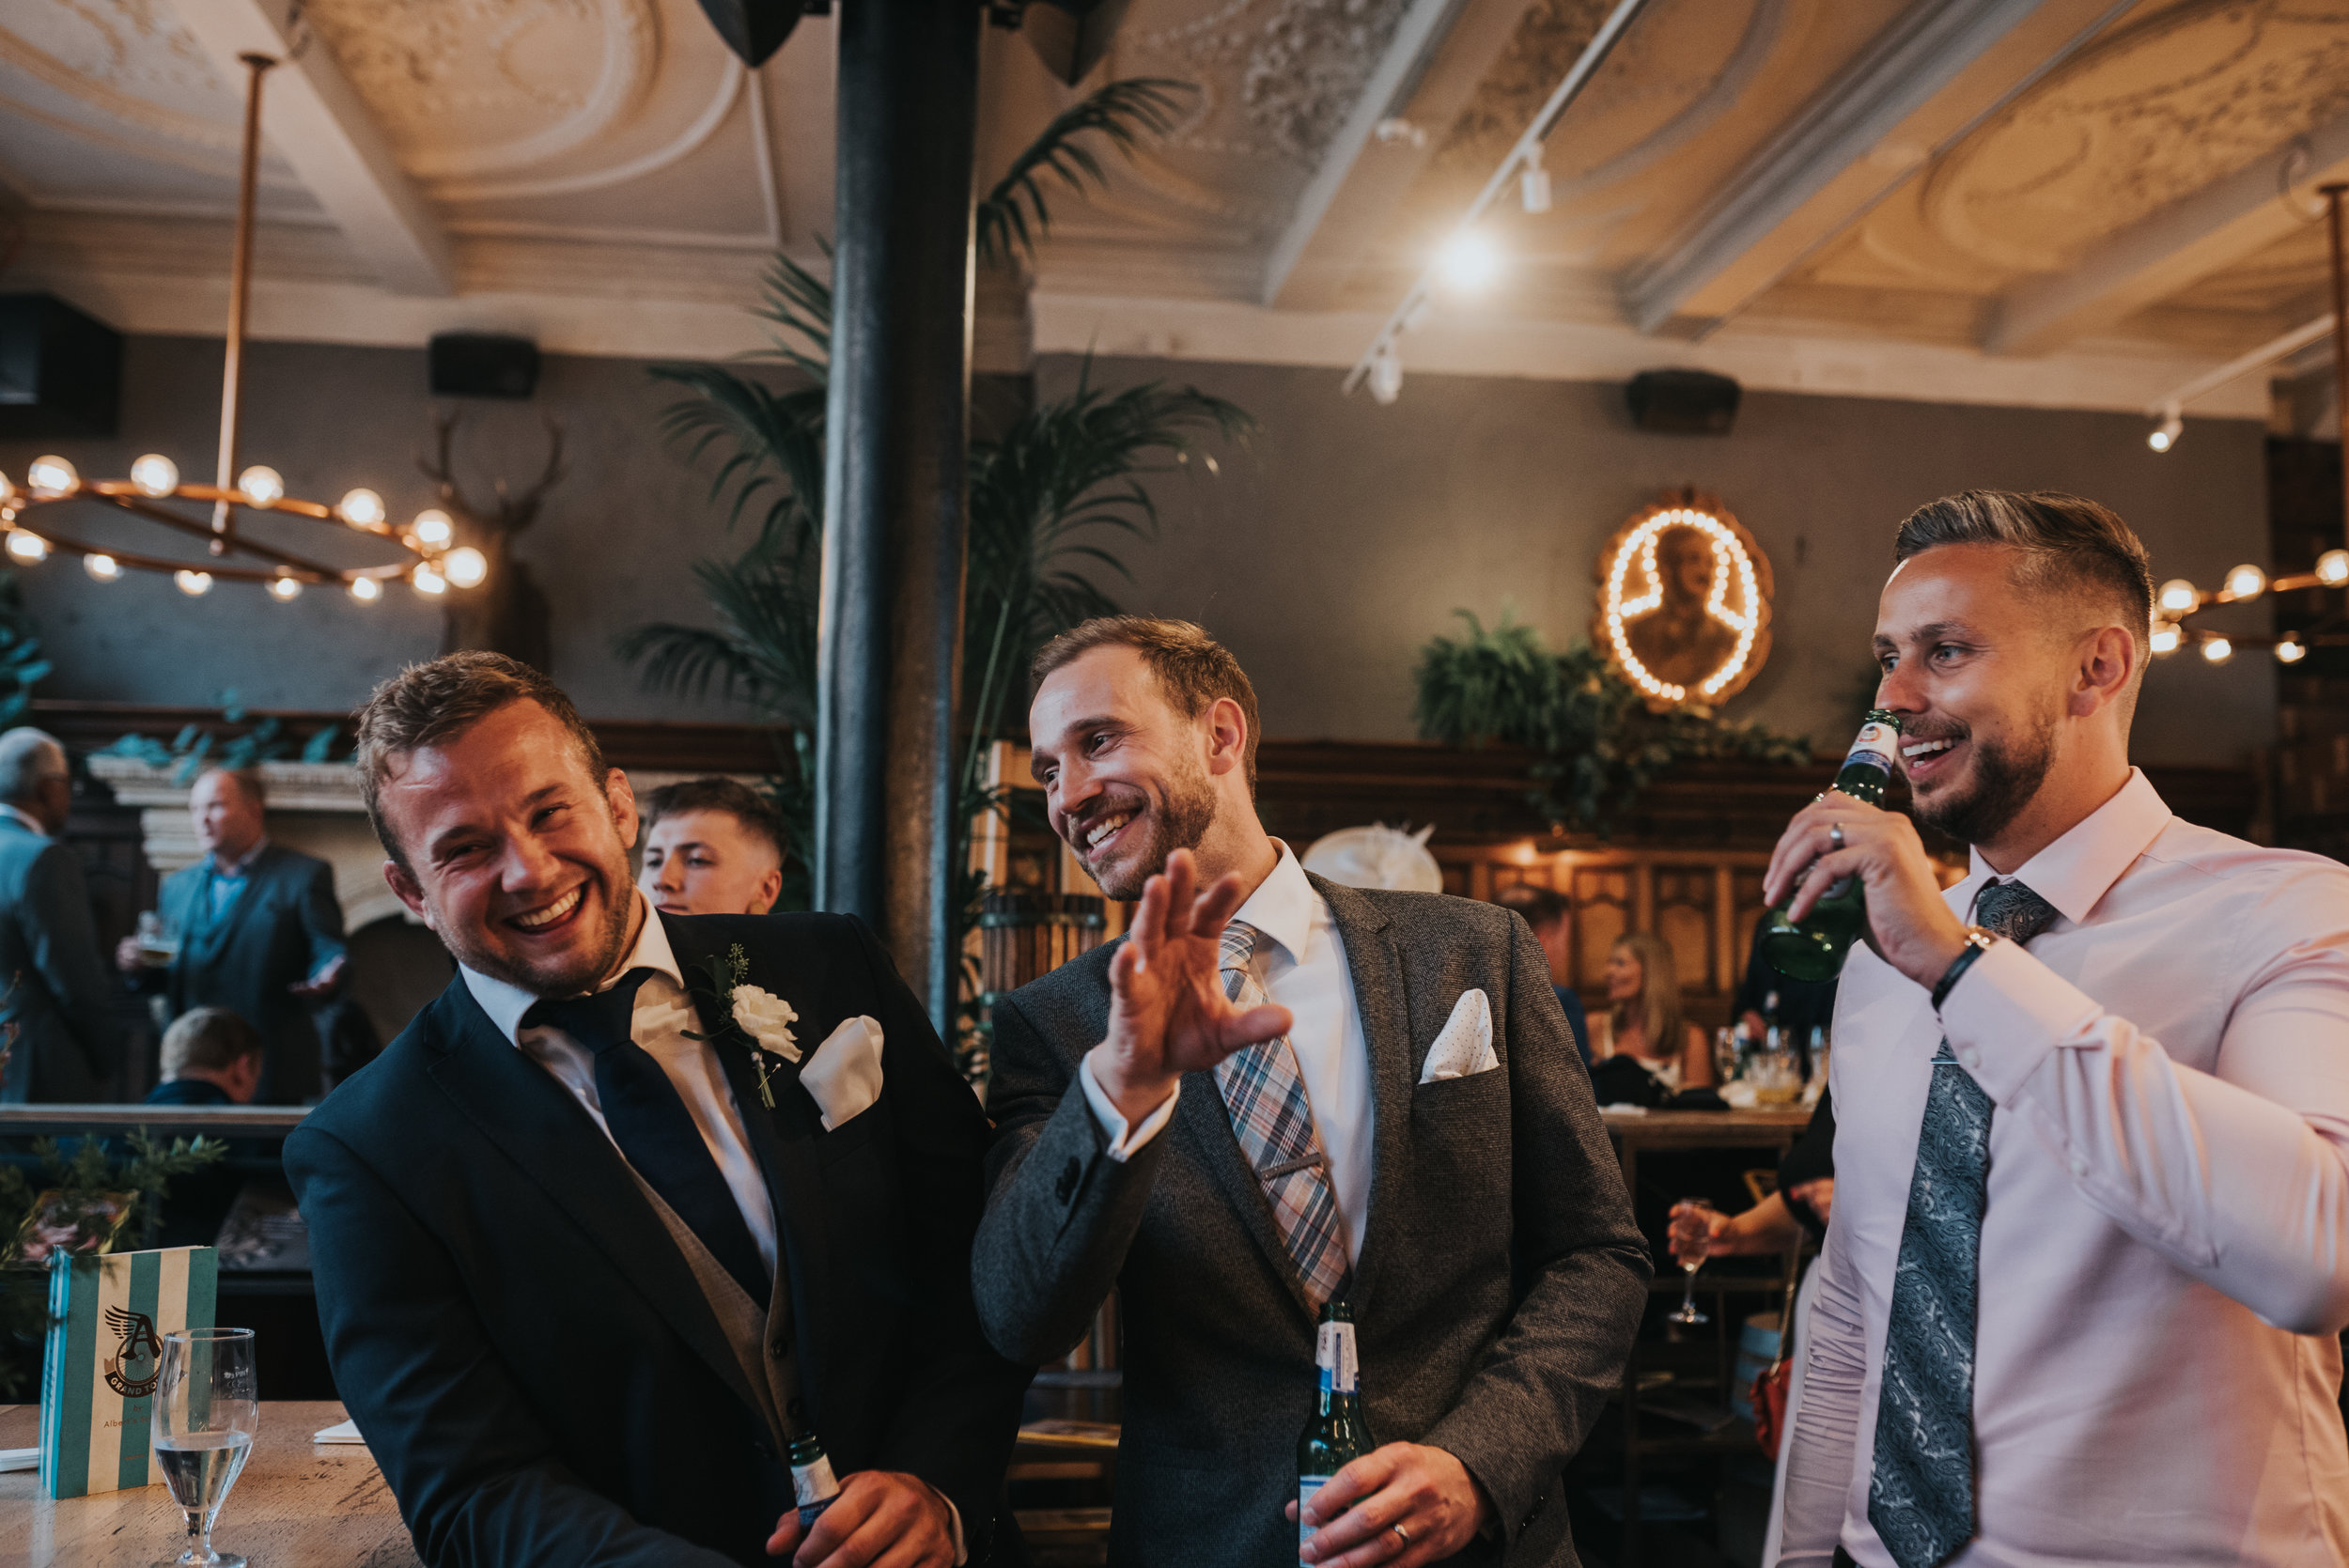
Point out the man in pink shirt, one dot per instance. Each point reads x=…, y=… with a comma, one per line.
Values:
x=2091, y=1249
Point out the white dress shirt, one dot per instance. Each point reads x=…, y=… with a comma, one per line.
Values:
x=2165, y=1257
x=27, y=818
x=663, y=1012
x=1301, y=964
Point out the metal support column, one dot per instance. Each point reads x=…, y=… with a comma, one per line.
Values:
x=898, y=421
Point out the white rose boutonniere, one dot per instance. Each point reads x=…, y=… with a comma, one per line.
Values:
x=761, y=1019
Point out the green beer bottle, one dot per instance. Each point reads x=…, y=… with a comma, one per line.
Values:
x=1337, y=1435
x=812, y=1482
x=1814, y=949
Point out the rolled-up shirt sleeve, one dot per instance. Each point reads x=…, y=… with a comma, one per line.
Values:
x=2239, y=1174
x=1822, y=1440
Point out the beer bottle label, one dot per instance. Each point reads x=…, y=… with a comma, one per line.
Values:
x=1334, y=1352
x=1306, y=1487
x=1877, y=747
x=813, y=1485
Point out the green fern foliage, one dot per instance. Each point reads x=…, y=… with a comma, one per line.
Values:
x=1014, y=216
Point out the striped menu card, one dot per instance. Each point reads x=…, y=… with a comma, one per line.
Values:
x=107, y=1318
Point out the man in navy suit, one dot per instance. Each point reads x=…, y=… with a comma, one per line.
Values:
x=66, y=1013
x=641, y=1201
x=259, y=933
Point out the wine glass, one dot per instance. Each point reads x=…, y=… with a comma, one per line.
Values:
x=206, y=1409
x=1693, y=1235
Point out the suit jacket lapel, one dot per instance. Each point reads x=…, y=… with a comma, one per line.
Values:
x=1377, y=969
x=783, y=1141
x=554, y=1142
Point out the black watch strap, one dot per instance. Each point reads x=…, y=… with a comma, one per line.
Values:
x=1977, y=943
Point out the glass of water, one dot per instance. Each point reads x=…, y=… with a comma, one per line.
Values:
x=206, y=1409
x=1692, y=1238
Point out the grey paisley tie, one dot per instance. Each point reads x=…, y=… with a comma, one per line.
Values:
x=1921, y=1495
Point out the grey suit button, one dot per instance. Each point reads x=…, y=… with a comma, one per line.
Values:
x=780, y=1349
x=1066, y=1188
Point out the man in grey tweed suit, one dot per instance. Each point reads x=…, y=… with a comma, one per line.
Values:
x=1361, y=1095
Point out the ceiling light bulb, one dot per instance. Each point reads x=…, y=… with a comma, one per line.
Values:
x=2218, y=651
x=155, y=474
x=465, y=566
x=361, y=506
x=49, y=477
x=2290, y=651
x=432, y=528
x=102, y=569
x=2332, y=567
x=195, y=584
x=366, y=590
x=285, y=587
x=1469, y=260
x=1386, y=375
x=27, y=546
x=2164, y=637
x=2246, y=581
x=429, y=582
x=2178, y=597
x=262, y=486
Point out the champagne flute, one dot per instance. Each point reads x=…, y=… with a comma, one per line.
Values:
x=1692, y=1237
x=206, y=1409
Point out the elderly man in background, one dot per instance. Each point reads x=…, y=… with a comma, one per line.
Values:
x=712, y=846
x=66, y=1015
x=210, y=1057
x=259, y=933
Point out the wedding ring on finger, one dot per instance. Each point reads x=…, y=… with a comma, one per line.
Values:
x=1402, y=1535
x=1835, y=834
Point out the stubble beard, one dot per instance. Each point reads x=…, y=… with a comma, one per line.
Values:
x=560, y=978
x=1180, y=822
x=2007, y=775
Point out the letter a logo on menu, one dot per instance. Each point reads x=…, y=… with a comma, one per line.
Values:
x=137, y=1362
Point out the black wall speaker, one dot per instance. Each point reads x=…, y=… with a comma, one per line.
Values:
x=1683, y=402
x=61, y=371
x=483, y=364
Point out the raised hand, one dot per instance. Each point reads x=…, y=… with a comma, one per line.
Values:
x=1168, y=1013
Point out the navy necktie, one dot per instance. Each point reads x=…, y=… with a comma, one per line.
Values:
x=1921, y=1493
x=654, y=1130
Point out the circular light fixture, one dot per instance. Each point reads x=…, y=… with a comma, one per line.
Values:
x=361, y=507
x=2217, y=649
x=2332, y=567
x=195, y=584
x=1735, y=610
x=2178, y=597
x=1469, y=260
x=2165, y=637
x=432, y=528
x=51, y=477
x=2290, y=651
x=466, y=567
x=261, y=485
x=429, y=582
x=285, y=587
x=366, y=590
x=102, y=568
x=2246, y=582
x=155, y=475
x=27, y=546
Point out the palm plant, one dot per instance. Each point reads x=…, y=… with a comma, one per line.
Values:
x=1051, y=500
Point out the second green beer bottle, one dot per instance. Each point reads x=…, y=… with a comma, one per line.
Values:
x=1337, y=1435
x=1815, y=949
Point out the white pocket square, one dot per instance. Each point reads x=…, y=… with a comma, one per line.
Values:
x=844, y=1072
x=1465, y=1047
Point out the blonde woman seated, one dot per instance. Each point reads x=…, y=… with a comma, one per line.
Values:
x=1642, y=1019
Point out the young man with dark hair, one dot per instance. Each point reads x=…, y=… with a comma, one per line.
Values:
x=1275, y=1093
x=641, y=1201
x=712, y=846
x=2090, y=1250
x=209, y=1057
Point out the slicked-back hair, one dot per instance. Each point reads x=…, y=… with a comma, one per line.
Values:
x=1193, y=669
x=433, y=702
x=738, y=800
x=2069, y=545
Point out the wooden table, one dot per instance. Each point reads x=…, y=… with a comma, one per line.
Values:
x=299, y=1504
x=1638, y=1132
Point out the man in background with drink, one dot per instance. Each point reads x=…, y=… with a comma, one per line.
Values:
x=55, y=992
x=2091, y=1244
x=1340, y=1096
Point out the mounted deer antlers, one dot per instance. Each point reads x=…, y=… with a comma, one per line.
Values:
x=513, y=512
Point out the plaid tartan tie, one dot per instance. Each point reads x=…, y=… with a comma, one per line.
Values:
x=1265, y=1096
x=1921, y=1493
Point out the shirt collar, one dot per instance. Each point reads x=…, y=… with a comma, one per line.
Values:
x=1282, y=907
x=244, y=862
x=2075, y=872
x=25, y=816
x=506, y=1002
